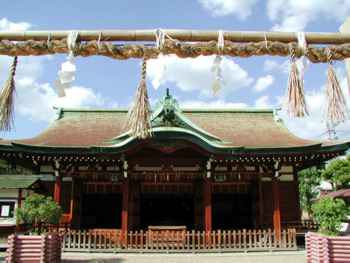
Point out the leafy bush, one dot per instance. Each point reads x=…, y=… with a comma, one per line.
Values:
x=329, y=213
x=309, y=179
x=338, y=172
x=37, y=210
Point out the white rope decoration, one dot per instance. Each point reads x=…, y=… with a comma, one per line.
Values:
x=265, y=39
x=66, y=75
x=72, y=41
x=99, y=41
x=160, y=40
x=216, y=68
x=302, y=62
x=221, y=41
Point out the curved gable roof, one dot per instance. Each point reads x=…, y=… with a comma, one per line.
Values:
x=249, y=129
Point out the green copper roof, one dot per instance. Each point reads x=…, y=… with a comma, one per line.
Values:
x=14, y=181
x=222, y=131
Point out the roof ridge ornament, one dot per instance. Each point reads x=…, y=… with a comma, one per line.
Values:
x=276, y=116
x=166, y=110
x=169, y=114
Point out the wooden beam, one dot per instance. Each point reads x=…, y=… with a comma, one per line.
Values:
x=179, y=34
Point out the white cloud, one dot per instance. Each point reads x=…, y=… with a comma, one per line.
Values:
x=270, y=65
x=295, y=15
x=263, y=83
x=242, y=9
x=5, y=24
x=36, y=101
x=191, y=74
x=215, y=104
x=280, y=67
x=263, y=102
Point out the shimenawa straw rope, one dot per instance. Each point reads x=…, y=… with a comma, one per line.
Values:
x=7, y=99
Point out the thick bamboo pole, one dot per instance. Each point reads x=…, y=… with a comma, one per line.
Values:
x=182, y=35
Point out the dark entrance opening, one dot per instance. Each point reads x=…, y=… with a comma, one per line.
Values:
x=167, y=210
x=232, y=211
x=101, y=211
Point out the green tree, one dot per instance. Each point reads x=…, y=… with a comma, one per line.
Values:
x=309, y=179
x=338, y=172
x=38, y=209
x=329, y=213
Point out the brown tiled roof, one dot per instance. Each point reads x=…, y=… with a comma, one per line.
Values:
x=248, y=128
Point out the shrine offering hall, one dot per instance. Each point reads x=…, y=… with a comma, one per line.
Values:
x=202, y=169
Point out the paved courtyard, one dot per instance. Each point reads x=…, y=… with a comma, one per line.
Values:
x=285, y=257
x=275, y=257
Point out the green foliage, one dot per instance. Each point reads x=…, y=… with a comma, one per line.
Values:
x=338, y=172
x=38, y=209
x=329, y=213
x=309, y=179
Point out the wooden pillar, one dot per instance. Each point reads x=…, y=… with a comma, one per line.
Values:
x=19, y=197
x=57, y=189
x=134, y=205
x=261, y=202
x=71, y=203
x=276, y=208
x=125, y=206
x=19, y=205
x=296, y=185
x=207, y=194
x=77, y=202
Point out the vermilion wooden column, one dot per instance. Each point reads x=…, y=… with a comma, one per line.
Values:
x=276, y=208
x=57, y=189
x=207, y=191
x=125, y=206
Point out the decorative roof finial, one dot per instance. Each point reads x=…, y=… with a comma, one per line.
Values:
x=167, y=93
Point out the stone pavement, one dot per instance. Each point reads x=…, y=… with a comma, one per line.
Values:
x=273, y=257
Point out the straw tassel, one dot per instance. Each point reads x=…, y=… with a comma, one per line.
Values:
x=7, y=100
x=139, y=115
x=296, y=98
x=336, y=104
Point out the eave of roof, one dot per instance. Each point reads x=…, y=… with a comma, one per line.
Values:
x=131, y=143
x=14, y=181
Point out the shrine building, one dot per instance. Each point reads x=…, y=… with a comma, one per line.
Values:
x=202, y=169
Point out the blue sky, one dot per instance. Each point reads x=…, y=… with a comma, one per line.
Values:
x=106, y=83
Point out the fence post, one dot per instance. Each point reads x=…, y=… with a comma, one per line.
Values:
x=294, y=238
